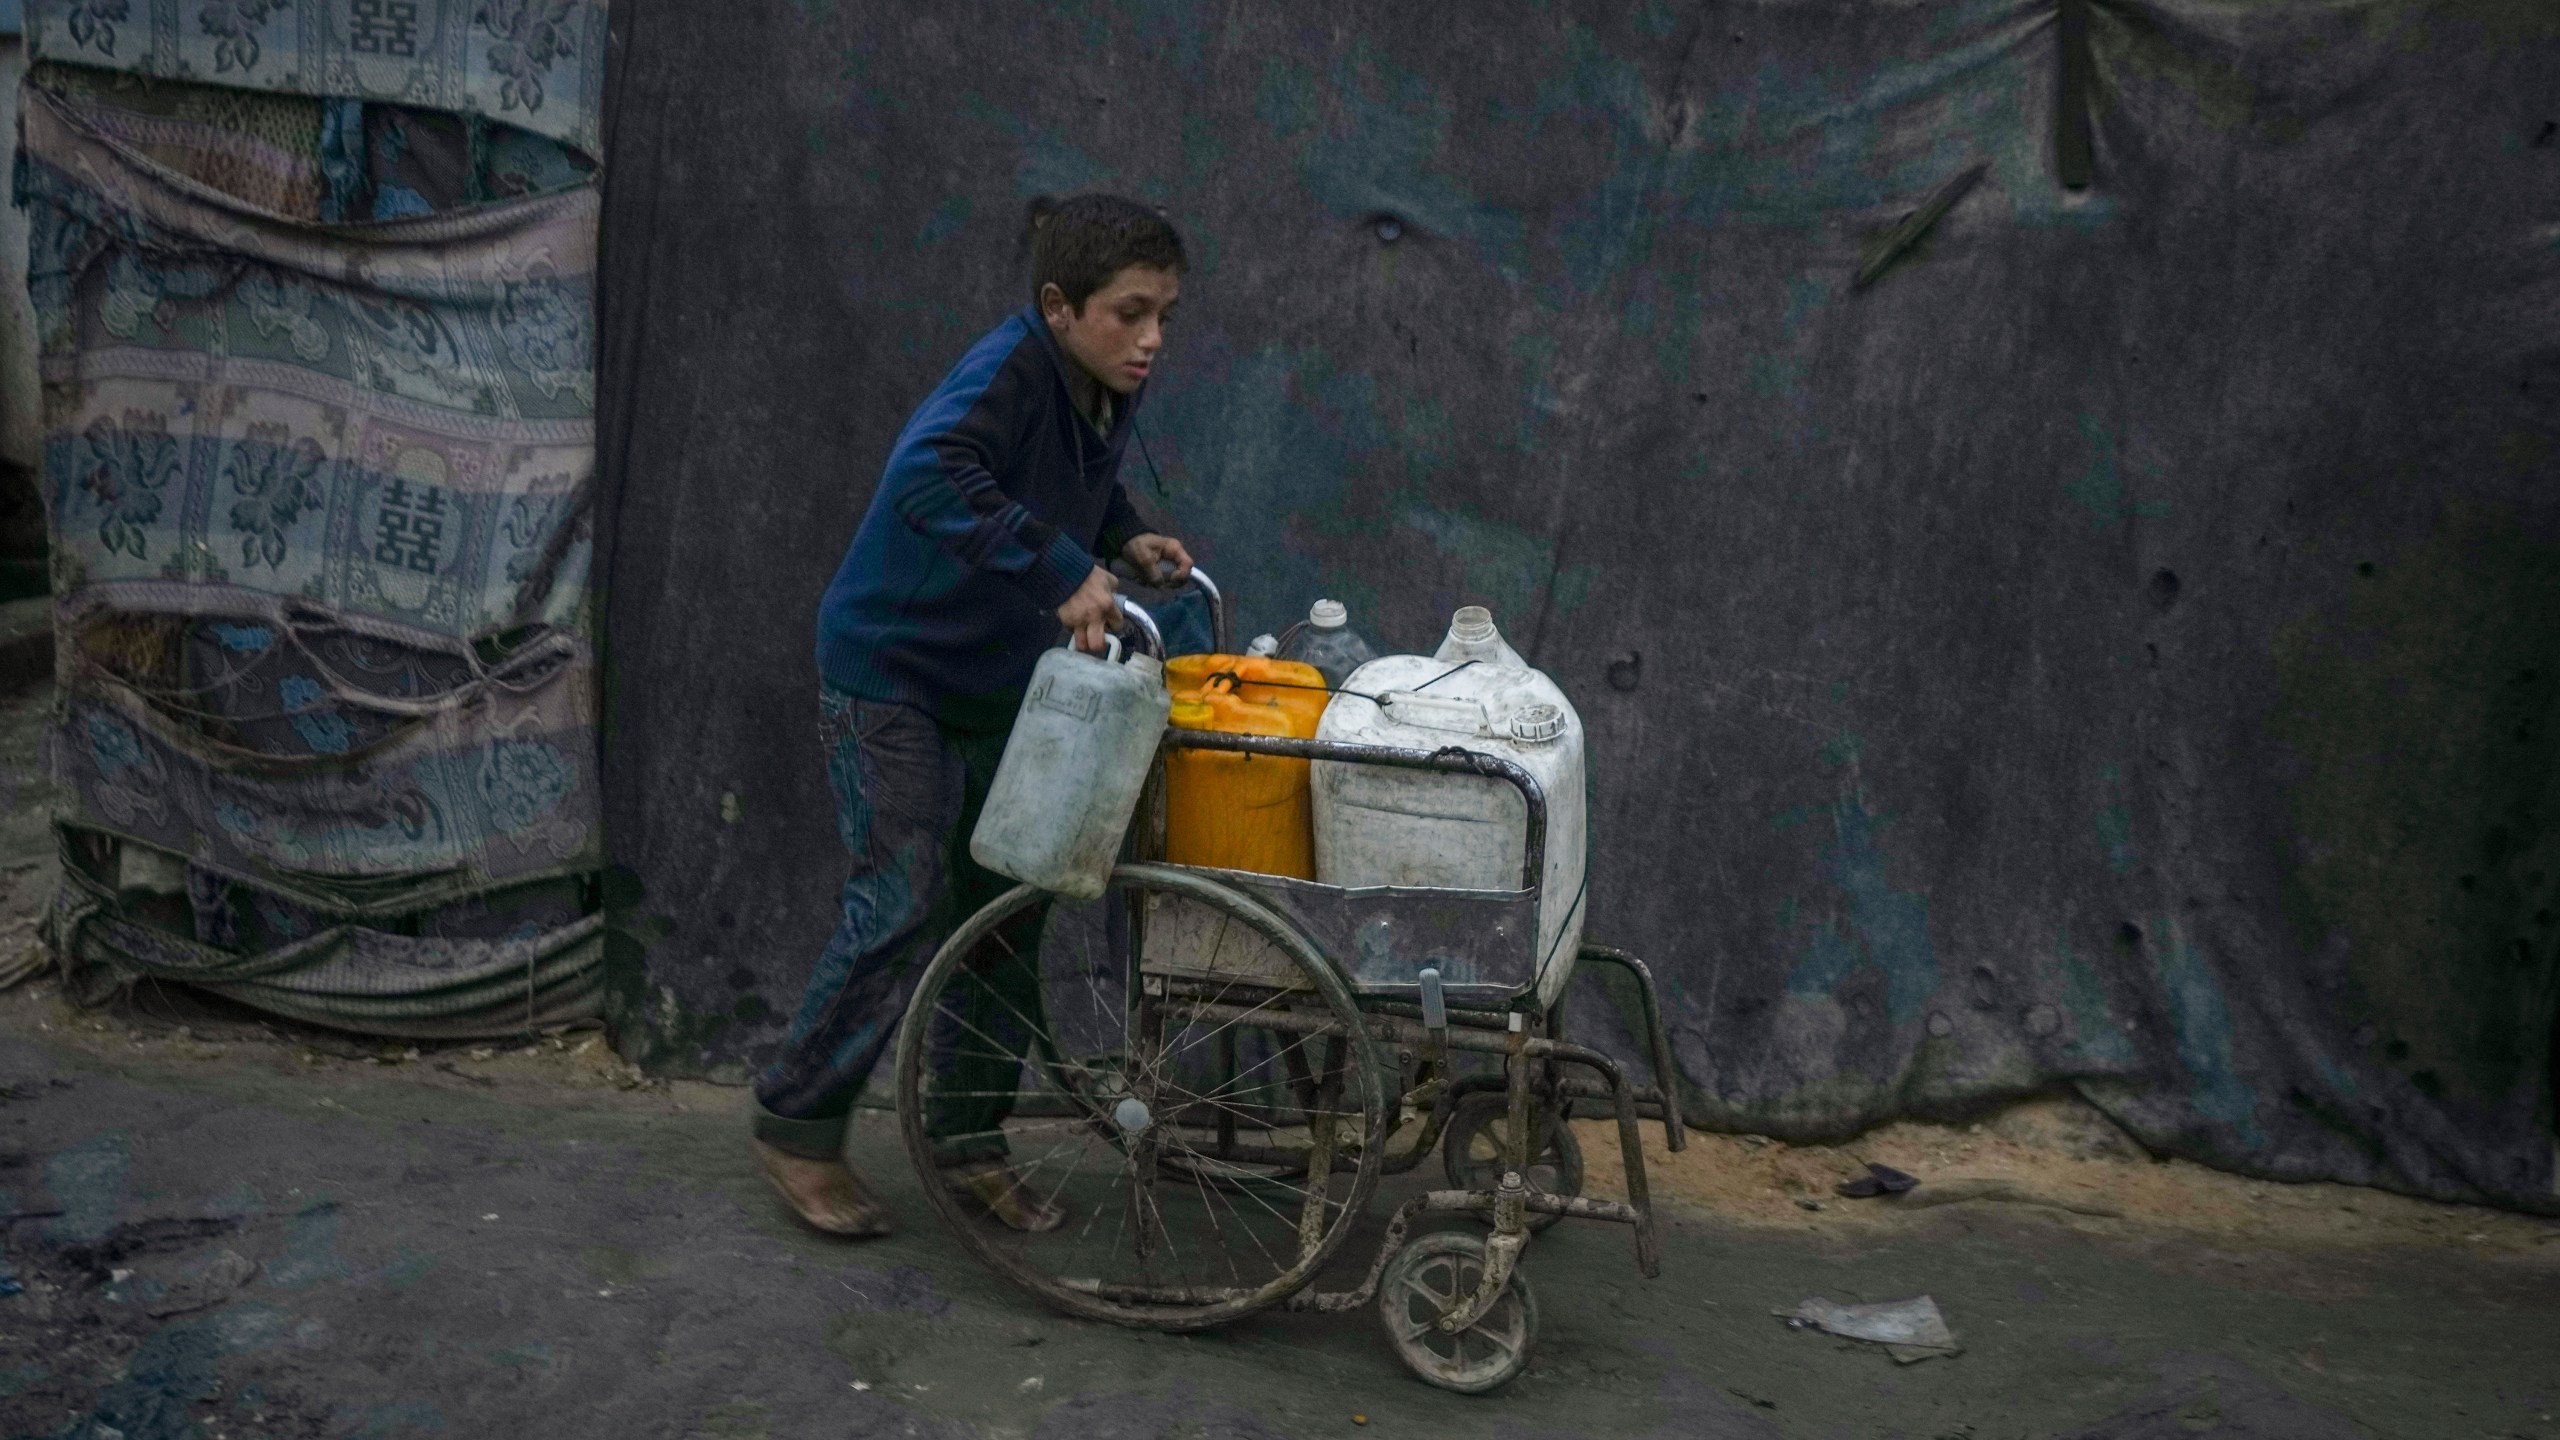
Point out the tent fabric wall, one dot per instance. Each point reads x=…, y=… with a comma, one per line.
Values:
x=317, y=496
x=2114, y=649
x=538, y=64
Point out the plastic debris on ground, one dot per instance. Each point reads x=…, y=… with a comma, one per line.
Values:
x=1909, y=1330
x=1879, y=1180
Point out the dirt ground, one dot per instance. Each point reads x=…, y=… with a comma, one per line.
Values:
x=216, y=1226
x=2060, y=1157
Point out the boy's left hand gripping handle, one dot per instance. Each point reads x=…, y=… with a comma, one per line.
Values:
x=1221, y=638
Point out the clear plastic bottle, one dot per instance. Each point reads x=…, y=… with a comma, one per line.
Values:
x=1328, y=642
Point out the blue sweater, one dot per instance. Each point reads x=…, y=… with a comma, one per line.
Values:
x=993, y=507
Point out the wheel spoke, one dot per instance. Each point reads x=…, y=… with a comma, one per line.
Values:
x=1495, y=1338
x=1250, y=1011
x=1275, y=1056
x=1030, y=1026
x=1061, y=1187
x=1409, y=1332
x=1438, y=1297
x=1253, y=1193
x=1205, y=1204
x=1210, y=1192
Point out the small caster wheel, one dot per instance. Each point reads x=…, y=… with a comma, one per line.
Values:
x=1430, y=1273
x=1472, y=1153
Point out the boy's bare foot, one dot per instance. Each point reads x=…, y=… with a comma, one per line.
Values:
x=993, y=1184
x=825, y=1193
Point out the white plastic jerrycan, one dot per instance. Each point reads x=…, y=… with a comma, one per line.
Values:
x=1380, y=826
x=1072, y=769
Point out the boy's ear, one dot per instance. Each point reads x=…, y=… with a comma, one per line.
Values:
x=1053, y=304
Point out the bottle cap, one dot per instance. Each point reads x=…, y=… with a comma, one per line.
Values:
x=1328, y=614
x=1533, y=723
x=1148, y=667
x=1263, y=645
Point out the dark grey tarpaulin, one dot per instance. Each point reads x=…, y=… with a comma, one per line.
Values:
x=2114, y=648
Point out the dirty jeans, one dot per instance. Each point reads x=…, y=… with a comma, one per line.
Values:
x=907, y=794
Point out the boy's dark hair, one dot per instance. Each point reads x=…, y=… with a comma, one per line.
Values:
x=1079, y=243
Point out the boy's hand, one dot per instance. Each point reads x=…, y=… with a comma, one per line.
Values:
x=1148, y=554
x=1093, y=609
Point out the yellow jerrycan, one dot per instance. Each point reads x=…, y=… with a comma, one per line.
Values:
x=1233, y=811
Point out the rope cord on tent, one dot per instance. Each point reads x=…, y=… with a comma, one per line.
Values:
x=518, y=675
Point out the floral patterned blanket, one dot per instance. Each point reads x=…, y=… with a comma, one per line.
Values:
x=319, y=508
x=534, y=63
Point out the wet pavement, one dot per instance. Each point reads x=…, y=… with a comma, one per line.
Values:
x=246, y=1237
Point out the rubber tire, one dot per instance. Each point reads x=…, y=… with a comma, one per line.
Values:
x=1426, y=1366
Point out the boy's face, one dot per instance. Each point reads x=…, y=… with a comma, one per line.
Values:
x=1116, y=336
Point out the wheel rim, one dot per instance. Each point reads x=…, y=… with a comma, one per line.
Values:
x=1424, y=1280
x=1189, y=1190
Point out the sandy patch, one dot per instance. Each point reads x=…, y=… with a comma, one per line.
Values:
x=2061, y=1157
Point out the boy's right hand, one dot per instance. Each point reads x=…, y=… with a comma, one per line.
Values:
x=1093, y=609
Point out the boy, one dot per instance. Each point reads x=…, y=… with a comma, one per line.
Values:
x=981, y=542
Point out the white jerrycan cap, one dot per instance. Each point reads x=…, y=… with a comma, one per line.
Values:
x=1263, y=645
x=1332, y=614
x=1151, y=668
x=1532, y=724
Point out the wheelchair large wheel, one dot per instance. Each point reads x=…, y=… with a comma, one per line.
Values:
x=1178, y=1070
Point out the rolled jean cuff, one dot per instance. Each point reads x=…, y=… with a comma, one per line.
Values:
x=821, y=1138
